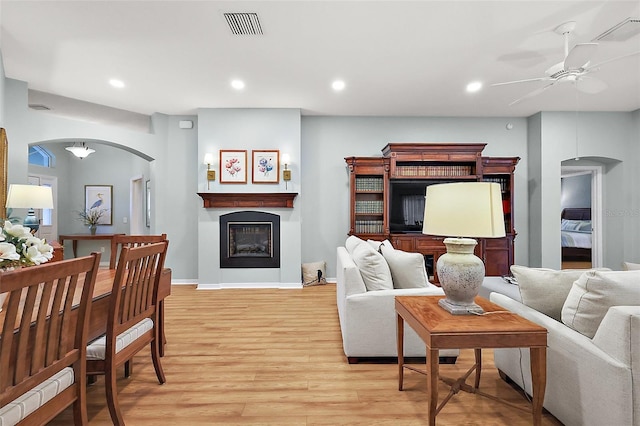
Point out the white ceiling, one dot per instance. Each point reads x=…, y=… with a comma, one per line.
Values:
x=397, y=58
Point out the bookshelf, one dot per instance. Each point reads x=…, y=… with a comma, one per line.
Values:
x=379, y=185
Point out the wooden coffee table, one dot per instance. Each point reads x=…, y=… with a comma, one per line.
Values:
x=497, y=328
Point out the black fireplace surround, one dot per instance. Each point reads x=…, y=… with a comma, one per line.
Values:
x=249, y=239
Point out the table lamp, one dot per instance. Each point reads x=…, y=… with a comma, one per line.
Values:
x=462, y=211
x=30, y=197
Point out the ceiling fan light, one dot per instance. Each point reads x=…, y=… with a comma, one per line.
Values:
x=80, y=151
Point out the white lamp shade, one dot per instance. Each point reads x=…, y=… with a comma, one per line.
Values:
x=285, y=159
x=29, y=197
x=208, y=158
x=464, y=209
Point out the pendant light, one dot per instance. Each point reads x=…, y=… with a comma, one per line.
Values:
x=80, y=151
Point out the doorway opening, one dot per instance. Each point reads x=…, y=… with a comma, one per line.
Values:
x=581, y=216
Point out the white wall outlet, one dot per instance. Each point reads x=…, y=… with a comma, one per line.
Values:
x=124, y=219
x=102, y=249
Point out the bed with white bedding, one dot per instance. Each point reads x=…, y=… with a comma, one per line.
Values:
x=576, y=230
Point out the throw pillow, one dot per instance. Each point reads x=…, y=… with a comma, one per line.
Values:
x=378, y=244
x=594, y=293
x=352, y=242
x=545, y=290
x=373, y=268
x=313, y=273
x=407, y=269
x=628, y=266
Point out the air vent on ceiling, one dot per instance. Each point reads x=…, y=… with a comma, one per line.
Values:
x=39, y=107
x=244, y=23
x=621, y=32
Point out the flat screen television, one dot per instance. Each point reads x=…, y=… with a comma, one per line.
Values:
x=406, y=211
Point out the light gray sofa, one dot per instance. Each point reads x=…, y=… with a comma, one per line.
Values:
x=590, y=381
x=368, y=318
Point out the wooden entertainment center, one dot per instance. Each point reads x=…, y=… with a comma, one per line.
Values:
x=387, y=197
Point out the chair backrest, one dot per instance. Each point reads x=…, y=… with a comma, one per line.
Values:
x=123, y=240
x=44, y=327
x=135, y=287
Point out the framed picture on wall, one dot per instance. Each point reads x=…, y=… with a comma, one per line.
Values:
x=100, y=198
x=265, y=166
x=233, y=166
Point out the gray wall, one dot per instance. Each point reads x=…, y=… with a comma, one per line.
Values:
x=326, y=141
x=542, y=141
x=575, y=191
x=169, y=151
x=608, y=138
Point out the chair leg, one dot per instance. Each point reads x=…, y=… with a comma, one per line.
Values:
x=80, y=417
x=112, y=397
x=155, y=357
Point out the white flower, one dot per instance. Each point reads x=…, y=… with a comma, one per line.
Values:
x=18, y=231
x=8, y=252
x=43, y=248
x=19, y=248
x=33, y=255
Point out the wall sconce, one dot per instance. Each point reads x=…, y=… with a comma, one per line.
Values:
x=286, y=173
x=211, y=174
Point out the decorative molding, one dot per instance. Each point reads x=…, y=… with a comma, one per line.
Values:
x=247, y=199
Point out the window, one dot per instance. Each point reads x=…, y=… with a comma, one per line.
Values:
x=40, y=156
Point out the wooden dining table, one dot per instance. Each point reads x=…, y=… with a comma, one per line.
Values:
x=100, y=303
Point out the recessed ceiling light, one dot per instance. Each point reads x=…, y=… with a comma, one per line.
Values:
x=474, y=86
x=237, y=84
x=338, y=85
x=116, y=83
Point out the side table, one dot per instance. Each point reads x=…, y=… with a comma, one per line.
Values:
x=496, y=328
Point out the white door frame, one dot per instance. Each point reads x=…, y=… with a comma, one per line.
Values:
x=596, y=207
x=136, y=206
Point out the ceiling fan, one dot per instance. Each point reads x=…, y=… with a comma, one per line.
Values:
x=574, y=68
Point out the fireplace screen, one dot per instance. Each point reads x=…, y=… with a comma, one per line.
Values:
x=249, y=239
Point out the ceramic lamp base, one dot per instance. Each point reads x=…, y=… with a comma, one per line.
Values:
x=461, y=274
x=453, y=309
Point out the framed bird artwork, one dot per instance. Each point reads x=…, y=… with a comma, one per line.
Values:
x=100, y=198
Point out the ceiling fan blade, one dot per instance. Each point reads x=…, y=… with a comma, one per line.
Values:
x=521, y=81
x=617, y=58
x=590, y=85
x=532, y=94
x=580, y=55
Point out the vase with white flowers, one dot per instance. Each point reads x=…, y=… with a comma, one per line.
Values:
x=92, y=217
x=18, y=247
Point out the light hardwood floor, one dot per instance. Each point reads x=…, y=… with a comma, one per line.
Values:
x=274, y=357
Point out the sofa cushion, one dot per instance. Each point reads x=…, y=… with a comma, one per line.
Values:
x=373, y=268
x=407, y=269
x=377, y=245
x=352, y=242
x=628, y=266
x=545, y=290
x=594, y=293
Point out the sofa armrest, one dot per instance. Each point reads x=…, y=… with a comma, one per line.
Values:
x=348, y=281
x=617, y=331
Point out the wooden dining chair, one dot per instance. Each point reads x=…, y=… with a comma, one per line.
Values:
x=132, y=319
x=122, y=240
x=44, y=326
